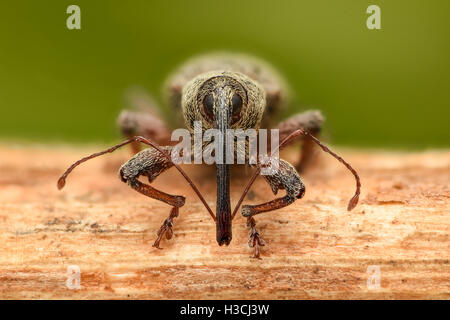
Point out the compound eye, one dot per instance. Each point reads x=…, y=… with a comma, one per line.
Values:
x=236, y=103
x=208, y=105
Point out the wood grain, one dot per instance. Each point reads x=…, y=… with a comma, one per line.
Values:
x=315, y=248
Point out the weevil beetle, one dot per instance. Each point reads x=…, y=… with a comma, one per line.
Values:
x=222, y=91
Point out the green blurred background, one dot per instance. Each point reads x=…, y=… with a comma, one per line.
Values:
x=385, y=88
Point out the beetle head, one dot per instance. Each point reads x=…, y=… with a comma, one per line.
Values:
x=221, y=93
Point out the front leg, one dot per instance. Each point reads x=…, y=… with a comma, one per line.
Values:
x=285, y=178
x=151, y=163
x=166, y=228
x=255, y=240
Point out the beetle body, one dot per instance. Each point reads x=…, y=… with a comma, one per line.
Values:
x=221, y=92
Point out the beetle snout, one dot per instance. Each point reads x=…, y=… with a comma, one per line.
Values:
x=226, y=239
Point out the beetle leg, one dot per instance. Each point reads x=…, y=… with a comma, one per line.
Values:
x=310, y=121
x=166, y=227
x=285, y=178
x=143, y=123
x=255, y=240
x=152, y=163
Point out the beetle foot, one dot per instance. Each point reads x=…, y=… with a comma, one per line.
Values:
x=255, y=240
x=166, y=228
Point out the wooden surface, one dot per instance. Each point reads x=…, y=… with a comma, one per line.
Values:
x=315, y=248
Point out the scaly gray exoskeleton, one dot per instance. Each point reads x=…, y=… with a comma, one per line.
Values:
x=221, y=91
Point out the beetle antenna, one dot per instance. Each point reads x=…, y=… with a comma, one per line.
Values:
x=62, y=179
x=353, y=201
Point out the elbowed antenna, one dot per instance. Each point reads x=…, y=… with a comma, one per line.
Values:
x=352, y=202
x=62, y=179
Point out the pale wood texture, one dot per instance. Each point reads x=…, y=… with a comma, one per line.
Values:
x=315, y=248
